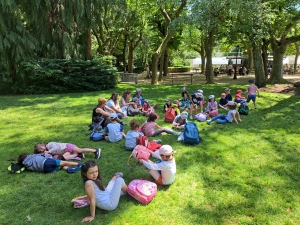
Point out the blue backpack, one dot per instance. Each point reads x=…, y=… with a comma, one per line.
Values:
x=96, y=136
x=191, y=134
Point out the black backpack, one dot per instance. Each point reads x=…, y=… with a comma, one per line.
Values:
x=243, y=109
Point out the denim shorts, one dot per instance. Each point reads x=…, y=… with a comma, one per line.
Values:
x=251, y=97
x=51, y=165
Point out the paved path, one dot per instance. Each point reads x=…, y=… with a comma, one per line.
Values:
x=220, y=79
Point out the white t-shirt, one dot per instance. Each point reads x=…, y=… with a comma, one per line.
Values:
x=111, y=104
x=130, y=140
x=229, y=116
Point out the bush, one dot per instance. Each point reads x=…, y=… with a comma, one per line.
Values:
x=47, y=76
x=179, y=69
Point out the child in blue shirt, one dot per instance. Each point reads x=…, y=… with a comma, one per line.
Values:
x=132, y=136
x=197, y=99
x=113, y=131
x=180, y=120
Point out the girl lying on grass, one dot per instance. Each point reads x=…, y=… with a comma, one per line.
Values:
x=164, y=170
x=229, y=117
x=104, y=198
x=66, y=150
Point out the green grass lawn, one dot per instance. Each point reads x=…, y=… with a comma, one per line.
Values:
x=241, y=174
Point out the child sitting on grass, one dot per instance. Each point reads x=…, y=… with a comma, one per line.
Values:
x=164, y=170
x=223, y=101
x=113, y=131
x=180, y=120
x=99, y=196
x=148, y=128
x=175, y=106
x=147, y=108
x=167, y=105
x=239, y=98
x=132, y=136
x=66, y=150
x=229, y=117
x=44, y=163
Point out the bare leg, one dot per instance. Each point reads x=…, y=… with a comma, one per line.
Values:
x=81, y=150
x=68, y=155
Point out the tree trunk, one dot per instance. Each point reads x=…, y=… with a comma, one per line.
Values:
x=297, y=47
x=166, y=63
x=89, y=44
x=155, y=58
x=250, y=59
x=277, y=73
x=203, y=57
x=258, y=65
x=124, y=53
x=265, y=59
x=130, y=57
x=161, y=65
x=209, y=50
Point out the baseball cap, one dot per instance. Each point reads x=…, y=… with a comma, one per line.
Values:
x=239, y=91
x=200, y=92
x=147, y=100
x=231, y=103
x=113, y=116
x=223, y=94
x=184, y=88
x=138, y=89
x=211, y=96
x=185, y=114
x=135, y=99
x=175, y=101
x=168, y=99
x=227, y=89
x=166, y=150
x=251, y=81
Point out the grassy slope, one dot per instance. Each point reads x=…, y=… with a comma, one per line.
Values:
x=240, y=174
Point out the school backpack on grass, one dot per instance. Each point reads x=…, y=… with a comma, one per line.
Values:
x=243, y=109
x=139, y=152
x=142, y=190
x=191, y=134
x=201, y=117
x=97, y=136
x=170, y=115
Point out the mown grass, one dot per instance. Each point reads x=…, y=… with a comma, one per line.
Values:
x=240, y=174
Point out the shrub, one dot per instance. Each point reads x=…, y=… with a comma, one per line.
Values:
x=47, y=76
x=179, y=69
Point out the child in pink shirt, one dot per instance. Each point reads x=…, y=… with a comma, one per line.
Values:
x=251, y=91
x=148, y=127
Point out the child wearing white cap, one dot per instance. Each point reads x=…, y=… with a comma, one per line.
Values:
x=180, y=120
x=212, y=106
x=164, y=170
x=113, y=131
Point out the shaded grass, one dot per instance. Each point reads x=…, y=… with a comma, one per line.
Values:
x=240, y=174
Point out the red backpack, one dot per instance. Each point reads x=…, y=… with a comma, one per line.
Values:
x=170, y=115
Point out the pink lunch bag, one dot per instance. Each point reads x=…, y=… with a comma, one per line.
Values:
x=201, y=117
x=213, y=113
x=142, y=190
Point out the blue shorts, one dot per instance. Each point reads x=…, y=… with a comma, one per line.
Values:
x=251, y=97
x=51, y=165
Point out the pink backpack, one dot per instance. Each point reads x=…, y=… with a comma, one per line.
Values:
x=142, y=190
x=139, y=152
x=201, y=117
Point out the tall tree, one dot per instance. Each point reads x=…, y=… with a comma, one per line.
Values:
x=171, y=11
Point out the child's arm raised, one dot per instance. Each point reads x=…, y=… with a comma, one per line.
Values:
x=89, y=190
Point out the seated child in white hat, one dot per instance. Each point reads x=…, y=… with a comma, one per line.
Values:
x=164, y=170
x=113, y=131
x=180, y=120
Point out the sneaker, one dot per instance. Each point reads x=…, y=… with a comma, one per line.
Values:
x=191, y=117
x=74, y=169
x=81, y=155
x=177, y=133
x=76, y=158
x=119, y=174
x=97, y=153
x=123, y=124
x=208, y=122
x=158, y=141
